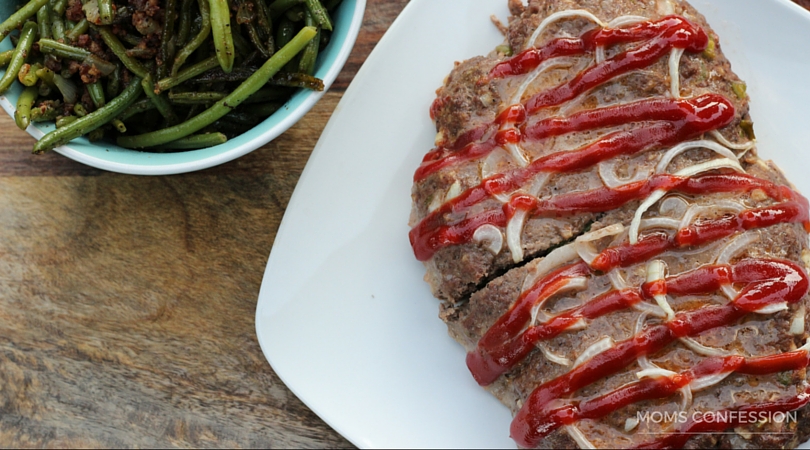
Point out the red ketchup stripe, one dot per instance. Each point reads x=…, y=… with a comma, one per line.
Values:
x=769, y=282
x=528, y=60
x=663, y=386
x=665, y=34
x=508, y=341
x=722, y=420
x=676, y=32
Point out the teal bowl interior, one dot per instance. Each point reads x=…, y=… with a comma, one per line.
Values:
x=105, y=155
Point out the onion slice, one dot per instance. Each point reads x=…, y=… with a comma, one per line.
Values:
x=705, y=382
x=722, y=139
x=553, y=357
x=656, y=271
x=797, y=324
x=559, y=16
x=595, y=349
x=553, y=260
x=680, y=148
x=674, y=72
x=701, y=349
x=608, y=175
x=490, y=236
x=514, y=229
x=773, y=308
x=655, y=373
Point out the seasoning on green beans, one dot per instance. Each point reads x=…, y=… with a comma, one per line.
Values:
x=193, y=76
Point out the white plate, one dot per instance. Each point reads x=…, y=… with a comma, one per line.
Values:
x=344, y=317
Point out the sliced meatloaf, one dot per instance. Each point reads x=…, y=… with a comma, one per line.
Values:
x=621, y=266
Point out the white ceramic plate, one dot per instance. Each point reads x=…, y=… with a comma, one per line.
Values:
x=344, y=317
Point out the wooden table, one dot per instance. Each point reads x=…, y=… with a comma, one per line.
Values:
x=127, y=303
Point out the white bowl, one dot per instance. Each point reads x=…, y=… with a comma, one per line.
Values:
x=104, y=155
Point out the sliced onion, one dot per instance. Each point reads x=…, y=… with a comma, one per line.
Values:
x=701, y=349
x=665, y=7
x=608, y=175
x=545, y=65
x=580, y=324
x=711, y=380
x=617, y=280
x=91, y=11
x=660, y=222
x=650, y=309
x=578, y=437
x=635, y=224
x=576, y=283
x=517, y=154
x=103, y=66
x=655, y=373
x=666, y=160
x=553, y=260
x=722, y=139
x=695, y=211
x=69, y=90
x=539, y=183
x=656, y=271
x=722, y=163
x=514, y=229
x=583, y=246
x=773, y=308
x=674, y=72
x=643, y=362
x=736, y=245
x=453, y=192
x=805, y=347
x=593, y=350
x=630, y=424
x=559, y=16
x=686, y=397
x=490, y=236
x=600, y=54
x=797, y=324
x=553, y=357
x=623, y=21
x=673, y=207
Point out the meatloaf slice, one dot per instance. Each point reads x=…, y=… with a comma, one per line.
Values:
x=621, y=266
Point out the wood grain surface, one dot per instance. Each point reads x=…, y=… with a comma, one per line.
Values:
x=127, y=303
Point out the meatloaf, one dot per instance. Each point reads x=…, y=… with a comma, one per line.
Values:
x=621, y=266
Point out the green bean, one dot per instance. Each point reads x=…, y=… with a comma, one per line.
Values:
x=27, y=38
x=95, y=135
x=114, y=82
x=197, y=141
x=285, y=32
x=184, y=27
x=119, y=125
x=263, y=19
x=80, y=110
x=319, y=13
x=92, y=121
x=163, y=106
x=138, y=107
x=46, y=110
x=188, y=73
x=310, y=53
x=59, y=7
x=15, y=20
x=96, y=91
x=51, y=47
x=253, y=34
x=44, y=22
x=22, y=116
x=167, y=40
x=106, y=12
x=57, y=25
x=80, y=29
x=224, y=106
x=115, y=45
x=5, y=57
x=263, y=110
x=195, y=98
x=205, y=30
x=65, y=121
x=279, y=7
x=28, y=74
x=223, y=37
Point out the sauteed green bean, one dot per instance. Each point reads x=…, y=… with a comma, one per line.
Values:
x=209, y=69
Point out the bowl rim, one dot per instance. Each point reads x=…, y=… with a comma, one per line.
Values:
x=144, y=163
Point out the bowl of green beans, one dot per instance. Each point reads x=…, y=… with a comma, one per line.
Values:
x=133, y=87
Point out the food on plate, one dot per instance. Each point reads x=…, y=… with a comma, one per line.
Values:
x=620, y=265
x=159, y=75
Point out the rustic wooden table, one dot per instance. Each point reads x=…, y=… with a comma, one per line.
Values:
x=127, y=303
